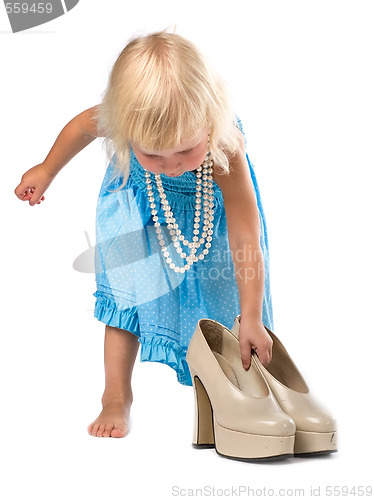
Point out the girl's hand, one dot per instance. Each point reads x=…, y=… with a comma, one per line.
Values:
x=253, y=335
x=33, y=184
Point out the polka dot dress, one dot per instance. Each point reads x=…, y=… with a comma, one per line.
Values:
x=136, y=289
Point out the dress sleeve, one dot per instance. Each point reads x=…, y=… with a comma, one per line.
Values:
x=240, y=127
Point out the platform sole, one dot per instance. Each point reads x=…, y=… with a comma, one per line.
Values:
x=315, y=443
x=242, y=446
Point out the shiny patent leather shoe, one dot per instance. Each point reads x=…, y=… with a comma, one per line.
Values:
x=235, y=411
x=316, y=431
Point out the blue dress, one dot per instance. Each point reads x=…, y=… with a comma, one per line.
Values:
x=136, y=289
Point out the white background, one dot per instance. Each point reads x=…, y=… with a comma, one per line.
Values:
x=302, y=77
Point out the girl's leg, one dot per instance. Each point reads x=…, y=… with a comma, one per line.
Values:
x=120, y=352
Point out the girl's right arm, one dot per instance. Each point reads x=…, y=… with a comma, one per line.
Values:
x=74, y=137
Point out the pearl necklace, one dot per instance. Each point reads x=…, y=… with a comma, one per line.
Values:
x=205, y=171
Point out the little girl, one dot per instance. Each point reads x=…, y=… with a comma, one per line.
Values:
x=180, y=230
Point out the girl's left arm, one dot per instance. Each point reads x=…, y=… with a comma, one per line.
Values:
x=244, y=231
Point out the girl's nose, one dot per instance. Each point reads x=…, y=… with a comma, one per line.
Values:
x=171, y=167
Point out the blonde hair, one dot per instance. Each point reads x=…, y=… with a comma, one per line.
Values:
x=161, y=93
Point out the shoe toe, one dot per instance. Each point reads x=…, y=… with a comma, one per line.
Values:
x=318, y=422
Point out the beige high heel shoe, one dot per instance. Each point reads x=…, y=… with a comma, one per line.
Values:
x=316, y=430
x=235, y=410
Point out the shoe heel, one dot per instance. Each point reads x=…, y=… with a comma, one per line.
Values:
x=203, y=436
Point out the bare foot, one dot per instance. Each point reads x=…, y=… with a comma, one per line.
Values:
x=113, y=420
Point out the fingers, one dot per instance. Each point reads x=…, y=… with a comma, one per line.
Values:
x=246, y=353
x=21, y=191
x=258, y=341
x=264, y=354
x=35, y=198
x=29, y=195
x=264, y=357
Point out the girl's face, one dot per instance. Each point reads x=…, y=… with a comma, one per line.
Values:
x=173, y=163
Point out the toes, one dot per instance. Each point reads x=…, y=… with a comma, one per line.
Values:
x=119, y=431
x=100, y=431
x=108, y=430
x=94, y=428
